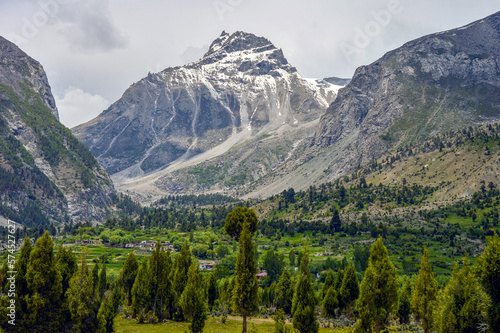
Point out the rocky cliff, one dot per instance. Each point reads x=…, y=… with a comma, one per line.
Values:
x=437, y=83
x=46, y=173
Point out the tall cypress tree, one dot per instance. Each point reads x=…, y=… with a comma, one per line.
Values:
x=212, y=290
x=141, y=291
x=424, y=293
x=128, y=275
x=329, y=282
x=67, y=265
x=45, y=287
x=488, y=269
x=83, y=299
x=245, y=291
x=180, y=276
x=330, y=302
x=95, y=276
x=22, y=267
x=192, y=300
x=304, y=300
x=161, y=287
x=284, y=292
x=404, y=309
x=349, y=290
x=108, y=309
x=102, y=281
x=379, y=290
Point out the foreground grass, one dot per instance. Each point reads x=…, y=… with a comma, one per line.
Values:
x=212, y=325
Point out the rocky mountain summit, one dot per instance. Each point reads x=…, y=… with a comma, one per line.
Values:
x=242, y=89
x=46, y=174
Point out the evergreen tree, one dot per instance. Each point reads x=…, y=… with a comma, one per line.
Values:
x=237, y=218
x=279, y=322
x=108, y=309
x=161, y=288
x=102, y=281
x=424, y=293
x=404, y=309
x=339, y=278
x=284, y=292
x=335, y=223
x=83, y=299
x=192, y=300
x=22, y=267
x=246, y=290
x=212, y=290
x=330, y=303
x=329, y=282
x=141, y=291
x=349, y=290
x=488, y=270
x=304, y=300
x=128, y=275
x=379, y=290
x=462, y=304
x=95, y=276
x=67, y=265
x=45, y=287
x=180, y=276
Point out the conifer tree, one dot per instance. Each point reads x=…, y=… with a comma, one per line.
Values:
x=128, y=275
x=335, y=223
x=83, y=299
x=404, y=309
x=192, y=300
x=245, y=291
x=22, y=266
x=67, y=265
x=279, y=322
x=424, y=293
x=212, y=290
x=95, y=276
x=284, y=292
x=379, y=290
x=108, y=309
x=330, y=303
x=237, y=218
x=462, y=304
x=339, y=278
x=329, y=282
x=161, y=287
x=45, y=287
x=488, y=269
x=349, y=290
x=141, y=291
x=180, y=276
x=102, y=281
x=304, y=300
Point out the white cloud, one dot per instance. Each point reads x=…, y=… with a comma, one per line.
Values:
x=78, y=106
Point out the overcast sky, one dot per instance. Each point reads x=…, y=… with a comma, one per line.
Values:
x=92, y=50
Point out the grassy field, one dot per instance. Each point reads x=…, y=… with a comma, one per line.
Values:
x=232, y=325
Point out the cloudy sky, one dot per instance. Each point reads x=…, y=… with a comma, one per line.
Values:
x=92, y=50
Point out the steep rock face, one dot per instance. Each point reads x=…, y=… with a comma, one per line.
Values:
x=440, y=82
x=242, y=87
x=46, y=173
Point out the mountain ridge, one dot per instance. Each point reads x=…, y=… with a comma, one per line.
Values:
x=47, y=174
